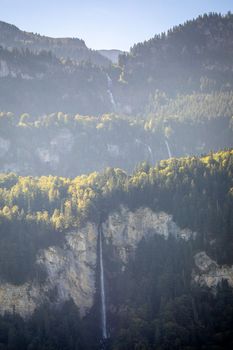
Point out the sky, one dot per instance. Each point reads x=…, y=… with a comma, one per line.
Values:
x=105, y=24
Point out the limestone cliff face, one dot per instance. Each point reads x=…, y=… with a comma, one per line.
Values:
x=71, y=268
x=209, y=273
x=59, y=146
x=4, y=146
x=124, y=229
x=70, y=275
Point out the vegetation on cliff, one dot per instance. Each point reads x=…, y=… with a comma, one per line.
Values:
x=153, y=302
x=192, y=124
x=198, y=192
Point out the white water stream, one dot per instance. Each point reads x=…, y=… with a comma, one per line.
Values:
x=151, y=153
x=102, y=289
x=110, y=94
x=168, y=149
x=149, y=150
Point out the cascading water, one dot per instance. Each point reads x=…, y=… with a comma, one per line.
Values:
x=109, y=81
x=102, y=288
x=151, y=154
x=148, y=149
x=168, y=149
x=109, y=91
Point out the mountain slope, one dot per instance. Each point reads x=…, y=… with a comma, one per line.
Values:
x=40, y=82
x=115, y=260
x=195, y=56
x=73, y=48
x=71, y=145
x=166, y=252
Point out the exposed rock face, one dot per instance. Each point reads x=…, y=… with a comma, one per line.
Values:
x=59, y=145
x=47, y=156
x=4, y=70
x=113, y=150
x=209, y=273
x=20, y=299
x=70, y=275
x=124, y=229
x=11, y=71
x=24, y=160
x=71, y=268
x=4, y=146
x=63, y=141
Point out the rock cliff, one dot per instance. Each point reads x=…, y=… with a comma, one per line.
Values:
x=71, y=268
x=70, y=275
x=209, y=273
x=124, y=229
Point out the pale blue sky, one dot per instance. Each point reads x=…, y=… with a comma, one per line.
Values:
x=105, y=23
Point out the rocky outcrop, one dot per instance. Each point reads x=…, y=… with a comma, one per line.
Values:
x=71, y=268
x=209, y=273
x=4, y=70
x=21, y=299
x=59, y=145
x=4, y=146
x=70, y=275
x=124, y=229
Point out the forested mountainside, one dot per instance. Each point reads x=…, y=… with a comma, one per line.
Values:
x=183, y=300
x=69, y=145
x=116, y=192
x=72, y=48
x=195, y=57
x=40, y=82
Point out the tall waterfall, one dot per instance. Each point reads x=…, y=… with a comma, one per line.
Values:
x=168, y=149
x=102, y=289
x=110, y=94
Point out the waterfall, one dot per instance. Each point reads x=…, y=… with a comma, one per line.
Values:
x=102, y=289
x=113, y=103
x=168, y=149
x=109, y=81
x=110, y=94
x=150, y=152
x=148, y=149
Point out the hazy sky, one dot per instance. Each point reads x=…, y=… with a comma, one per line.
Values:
x=105, y=23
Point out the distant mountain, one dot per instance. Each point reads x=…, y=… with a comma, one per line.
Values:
x=73, y=48
x=195, y=57
x=112, y=55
